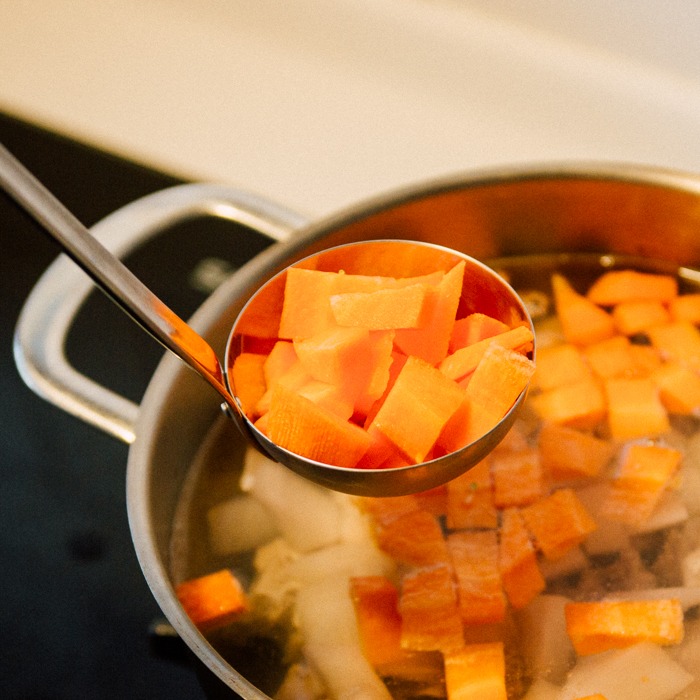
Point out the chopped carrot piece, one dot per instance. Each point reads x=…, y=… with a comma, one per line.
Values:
x=499, y=379
x=476, y=672
x=474, y=557
x=429, y=611
x=568, y=453
x=302, y=427
x=414, y=538
x=558, y=522
x=213, y=600
x=473, y=328
x=685, y=307
x=431, y=341
x=465, y=360
x=678, y=341
x=385, y=309
x=645, y=359
x=520, y=573
x=582, y=321
x=558, y=365
x=580, y=405
x=618, y=286
x=635, y=408
x=306, y=309
x=380, y=452
x=383, y=510
x=679, y=388
x=375, y=599
x=517, y=477
x=645, y=473
x=470, y=501
x=416, y=409
x=249, y=381
x=632, y=317
x=330, y=396
x=279, y=361
x=470, y=422
x=611, y=357
x=600, y=626
x=294, y=378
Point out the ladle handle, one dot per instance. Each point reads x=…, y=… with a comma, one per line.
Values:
x=47, y=315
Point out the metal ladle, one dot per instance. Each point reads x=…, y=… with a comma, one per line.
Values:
x=483, y=290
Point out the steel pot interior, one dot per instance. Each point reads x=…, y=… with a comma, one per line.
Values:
x=624, y=210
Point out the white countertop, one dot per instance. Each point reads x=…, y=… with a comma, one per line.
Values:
x=319, y=103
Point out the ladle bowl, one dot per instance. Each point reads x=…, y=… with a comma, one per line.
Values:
x=483, y=290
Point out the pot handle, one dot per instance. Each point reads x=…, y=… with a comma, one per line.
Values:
x=50, y=309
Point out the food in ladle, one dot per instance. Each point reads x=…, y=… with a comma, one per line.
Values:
x=377, y=372
x=565, y=565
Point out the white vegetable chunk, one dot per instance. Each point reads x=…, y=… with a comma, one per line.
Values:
x=239, y=524
x=306, y=515
x=326, y=621
x=691, y=568
x=641, y=672
x=545, y=646
x=689, y=596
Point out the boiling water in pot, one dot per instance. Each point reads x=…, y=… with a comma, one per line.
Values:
x=264, y=647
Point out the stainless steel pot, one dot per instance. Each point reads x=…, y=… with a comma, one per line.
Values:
x=597, y=209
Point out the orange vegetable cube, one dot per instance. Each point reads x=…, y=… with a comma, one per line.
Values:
x=213, y=600
x=618, y=286
x=476, y=672
x=582, y=321
x=635, y=408
x=568, y=453
x=306, y=308
x=429, y=611
x=604, y=625
x=414, y=538
x=612, y=357
x=517, y=477
x=249, y=380
x=417, y=408
x=473, y=328
x=375, y=599
x=384, y=309
x=431, y=341
x=294, y=378
x=558, y=365
x=383, y=510
x=646, y=471
x=330, y=396
x=520, y=573
x=465, y=360
x=632, y=317
x=685, y=307
x=677, y=342
x=679, y=388
x=300, y=426
x=470, y=501
x=474, y=557
x=558, y=522
x=580, y=405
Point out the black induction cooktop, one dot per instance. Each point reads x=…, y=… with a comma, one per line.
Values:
x=76, y=615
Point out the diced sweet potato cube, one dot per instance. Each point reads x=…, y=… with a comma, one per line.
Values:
x=580, y=405
x=600, y=626
x=213, y=600
x=473, y=328
x=645, y=473
x=685, y=307
x=280, y=360
x=470, y=499
x=558, y=522
x=558, y=365
x=517, y=477
x=414, y=538
x=611, y=357
x=474, y=557
x=300, y=426
x=679, y=388
x=520, y=573
x=375, y=599
x=582, y=321
x=429, y=611
x=249, y=381
x=632, y=317
x=476, y=672
x=568, y=453
x=618, y=286
x=678, y=341
x=417, y=408
x=635, y=408
x=383, y=510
